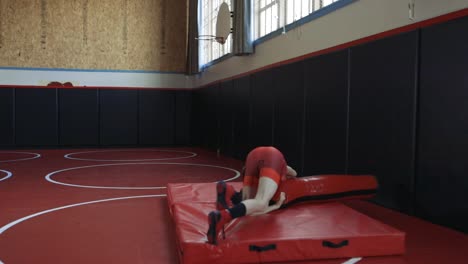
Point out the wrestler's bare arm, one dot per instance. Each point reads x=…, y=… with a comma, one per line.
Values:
x=275, y=206
x=291, y=173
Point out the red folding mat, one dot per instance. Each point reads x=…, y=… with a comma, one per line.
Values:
x=304, y=231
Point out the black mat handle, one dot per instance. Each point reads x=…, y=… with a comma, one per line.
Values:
x=261, y=249
x=330, y=244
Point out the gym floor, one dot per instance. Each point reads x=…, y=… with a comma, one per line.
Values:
x=101, y=206
x=109, y=206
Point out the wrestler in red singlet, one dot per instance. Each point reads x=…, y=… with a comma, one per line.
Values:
x=265, y=161
x=264, y=169
x=281, y=188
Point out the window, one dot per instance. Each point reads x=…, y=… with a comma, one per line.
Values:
x=210, y=50
x=271, y=15
x=268, y=16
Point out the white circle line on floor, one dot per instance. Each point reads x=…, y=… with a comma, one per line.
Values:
x=69, y=155
x=36, y=155
x=352, y=260
x=8, y=226
x=9, y=174
x=48, y=177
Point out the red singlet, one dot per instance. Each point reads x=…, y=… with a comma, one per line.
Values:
x=264, y=162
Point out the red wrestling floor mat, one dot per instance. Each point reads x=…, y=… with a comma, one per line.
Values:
x=301, y=232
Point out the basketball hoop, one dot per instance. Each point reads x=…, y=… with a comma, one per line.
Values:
x=223, y=26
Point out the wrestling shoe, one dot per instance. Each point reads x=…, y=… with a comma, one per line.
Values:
x=216, y=221
x=224, y=193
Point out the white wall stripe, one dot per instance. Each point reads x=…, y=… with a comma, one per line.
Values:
x=101, y=79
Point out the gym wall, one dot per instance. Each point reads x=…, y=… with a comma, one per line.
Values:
x=109, y=52
x=394, y=107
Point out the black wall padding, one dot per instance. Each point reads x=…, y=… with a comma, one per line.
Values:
x=241, y=122
x=205, y=117
x=382, y=109
x=326, y=89
x=183, y=107
x=78, y=117
x=196, y=113
x=118, y=117
x=289, y=113
x=36, y=117
x=7, y=113
x=263, y=98
x=211, y=118
x=442, y=168
x=156, y=117
x=226, y=118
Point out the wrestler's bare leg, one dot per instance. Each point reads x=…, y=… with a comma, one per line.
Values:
x=266, y=190
x=248, y=192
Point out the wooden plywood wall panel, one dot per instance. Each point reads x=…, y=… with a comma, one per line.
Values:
x=93, y=34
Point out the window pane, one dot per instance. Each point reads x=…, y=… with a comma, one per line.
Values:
x=326, y=2
x=210, y=49
x=268, y=20
x=305, y=8
x=274, y=17
x=271, y=14
x=262, y=24
x=297, y=10
x=290, y=12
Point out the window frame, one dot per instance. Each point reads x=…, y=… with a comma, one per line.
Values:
x=337, y=4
